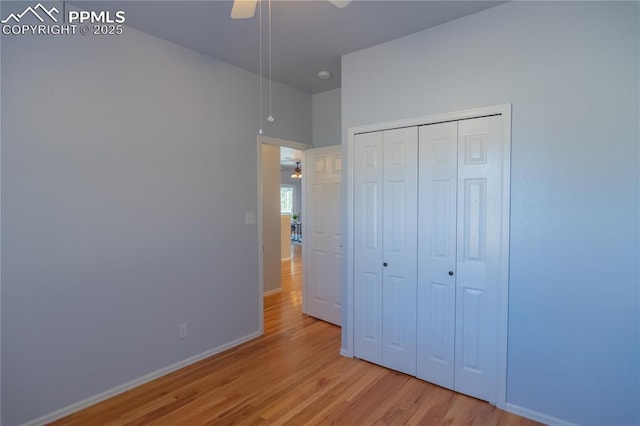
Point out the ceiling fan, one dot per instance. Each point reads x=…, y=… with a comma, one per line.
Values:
x=243, y=9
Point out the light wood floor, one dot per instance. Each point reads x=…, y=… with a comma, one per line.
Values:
x=291, y=375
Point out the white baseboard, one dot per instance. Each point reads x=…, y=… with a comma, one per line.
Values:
x=346, y=353
x=47, y=418
x=274, y=291
x=534, y=415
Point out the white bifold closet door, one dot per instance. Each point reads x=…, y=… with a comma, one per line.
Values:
x=460, y=253
x=438, y=161
x=385, y=247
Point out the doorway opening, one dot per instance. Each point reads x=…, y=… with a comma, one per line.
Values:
x=280, y=212
x=291, y=237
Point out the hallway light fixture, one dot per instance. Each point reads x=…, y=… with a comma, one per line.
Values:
x=297, y=172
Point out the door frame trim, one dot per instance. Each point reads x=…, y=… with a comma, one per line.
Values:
x=267, y=140
x=348, y=184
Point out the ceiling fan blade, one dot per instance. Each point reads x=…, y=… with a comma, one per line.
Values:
x=340, y=3
x=243, y=9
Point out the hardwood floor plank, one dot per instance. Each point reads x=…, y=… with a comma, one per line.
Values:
x=398, y=408
x=292, y=375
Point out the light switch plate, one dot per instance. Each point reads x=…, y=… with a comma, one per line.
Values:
x=250, y=218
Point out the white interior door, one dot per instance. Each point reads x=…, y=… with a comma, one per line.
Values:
x=367, y=260
x=399, y=254
x=479, y=255
x=438, y=169
x=323, y=244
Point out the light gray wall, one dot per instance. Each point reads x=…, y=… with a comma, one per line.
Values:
x=128, y=164
x=326, y=126
x=271, y=217
x=571, y=71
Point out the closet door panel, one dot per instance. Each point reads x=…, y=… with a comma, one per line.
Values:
x=479, y=251
x=438, y=166
x=368, y=173
x=400, y=249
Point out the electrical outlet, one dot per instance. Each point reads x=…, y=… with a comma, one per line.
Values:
x=182, y=330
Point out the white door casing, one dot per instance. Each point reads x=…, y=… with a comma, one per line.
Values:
x=322, y=296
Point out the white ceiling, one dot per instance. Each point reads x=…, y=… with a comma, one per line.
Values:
x=289, y=157
x=307, y=35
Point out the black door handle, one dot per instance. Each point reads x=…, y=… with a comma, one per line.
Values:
x=451, y=273
x=384, y=264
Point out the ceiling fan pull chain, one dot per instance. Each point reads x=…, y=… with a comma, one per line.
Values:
x=260, y=132
x=270, y=119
